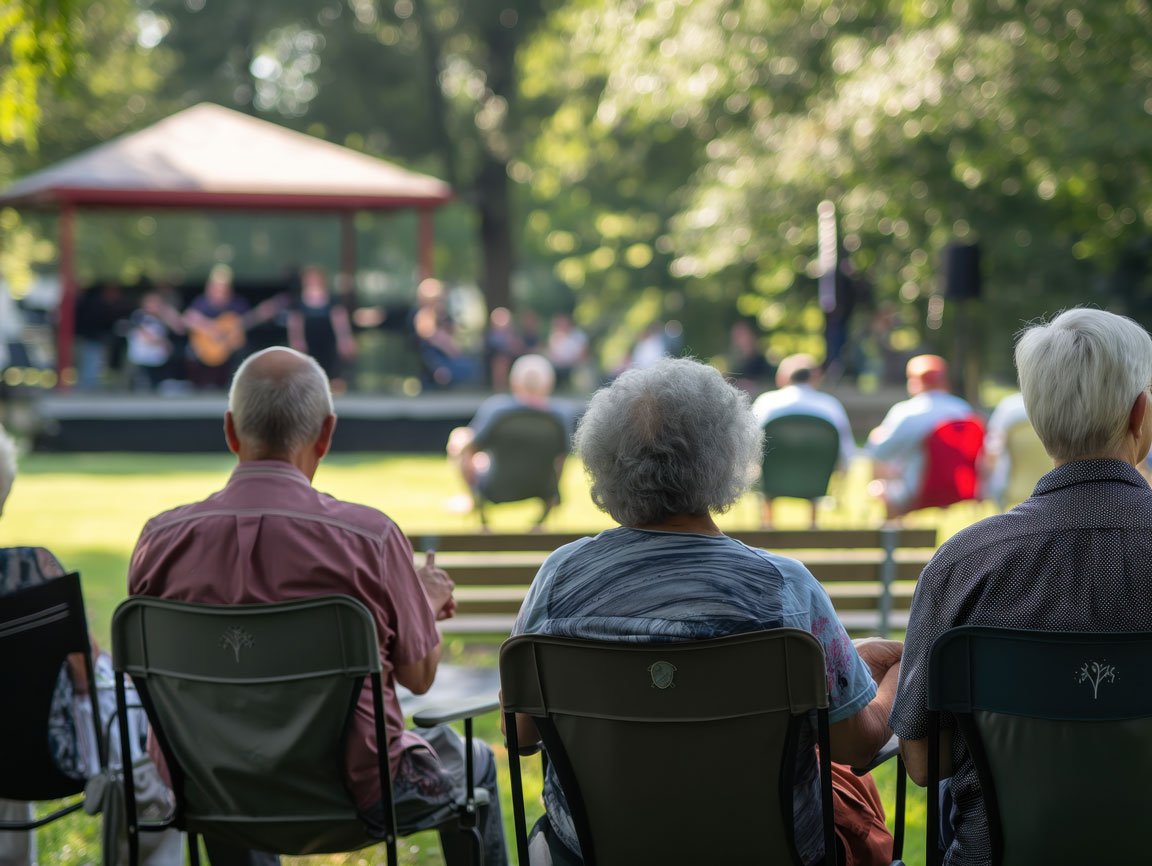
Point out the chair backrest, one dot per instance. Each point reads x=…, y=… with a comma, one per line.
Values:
x=39, y=627
x=800, y=454
x=1059, y=726
x=673, y=752
x=1028, y=462
x=524, y=445
x=951, y=453
x=251, y=705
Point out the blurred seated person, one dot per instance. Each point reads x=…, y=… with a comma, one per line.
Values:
x=797, y=381
x=667, y=448
x=98, y=310
x=747, y=365
x=318, y=325
x=150, y=341
x=503, y=345
x=1075, y=556
x=897, y=446
x=269, y=535
x=435, y=334
x=567, y=348
x=1014, y=458
x=70, y=734
x=531, y=381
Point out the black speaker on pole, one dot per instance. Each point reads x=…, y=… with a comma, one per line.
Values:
x=961, y=271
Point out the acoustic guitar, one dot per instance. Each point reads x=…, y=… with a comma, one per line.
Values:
x=215, y=344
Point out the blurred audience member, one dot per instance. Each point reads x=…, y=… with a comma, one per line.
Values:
x=748, y=367
x=98, y=309
x=1014, y=458
x=502, y=345
x=444, y=362
x=318, y=325
x=150, y=345
x=797, y=380
x=898, y=445
x=532, y=381
x=567, y=348
x=651, y=348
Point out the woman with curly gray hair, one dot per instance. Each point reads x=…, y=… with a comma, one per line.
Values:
x=666, y=448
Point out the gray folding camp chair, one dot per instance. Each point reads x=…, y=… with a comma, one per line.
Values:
x=800, y=455
x=525, y=446
x=1059, y=727
x=673, y=752
x=250, y=705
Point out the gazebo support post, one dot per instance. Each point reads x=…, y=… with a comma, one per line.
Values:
x=427, y=235
x=66, y=320
x=348, y=258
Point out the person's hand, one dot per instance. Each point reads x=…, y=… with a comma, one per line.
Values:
x=879, y=654
x=438, y=587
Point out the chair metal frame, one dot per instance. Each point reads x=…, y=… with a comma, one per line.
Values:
x=44, y=624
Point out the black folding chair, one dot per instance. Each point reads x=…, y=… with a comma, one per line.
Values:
x=1059, y=727
x=673, y=752
x=251, y=706
x=39, y=627
x=525, y=446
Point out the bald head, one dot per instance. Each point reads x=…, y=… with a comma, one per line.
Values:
x=532, y=377
x=279, y=401
x=798, y=370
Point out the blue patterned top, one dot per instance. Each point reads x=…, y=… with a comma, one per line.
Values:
x=642, y=586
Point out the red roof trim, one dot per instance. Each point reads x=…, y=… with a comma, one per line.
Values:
x=207, y=199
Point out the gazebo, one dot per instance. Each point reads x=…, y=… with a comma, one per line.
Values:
x=212, y=158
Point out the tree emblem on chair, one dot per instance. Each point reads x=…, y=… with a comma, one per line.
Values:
x=1096, y=673
x=235, y=639
x=662, y=673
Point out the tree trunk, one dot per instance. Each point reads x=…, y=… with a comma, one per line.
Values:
x=495, y=231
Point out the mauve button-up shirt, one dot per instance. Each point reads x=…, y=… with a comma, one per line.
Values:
x=270, y=536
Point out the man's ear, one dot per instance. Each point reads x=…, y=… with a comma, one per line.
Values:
x=324, y=440
x=1136, y=417
x=230, y=434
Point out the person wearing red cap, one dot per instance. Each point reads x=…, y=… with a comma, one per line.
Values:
x=896, y=445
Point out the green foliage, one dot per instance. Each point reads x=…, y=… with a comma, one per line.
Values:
x=38, y=40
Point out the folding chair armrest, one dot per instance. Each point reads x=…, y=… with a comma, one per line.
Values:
x=888, y=751
x=455, y=711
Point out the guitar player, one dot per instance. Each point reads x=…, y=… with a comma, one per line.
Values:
x=218, y=321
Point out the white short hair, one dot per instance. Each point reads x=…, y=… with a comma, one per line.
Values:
x=1080, y=375
x=7, y=466
x=532, y=374
x=279, y=412
x=673, y=438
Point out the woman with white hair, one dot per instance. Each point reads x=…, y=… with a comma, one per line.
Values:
x=666, y=448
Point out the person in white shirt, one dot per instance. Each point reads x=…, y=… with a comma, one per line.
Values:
x=797, y=379
x=897, y=445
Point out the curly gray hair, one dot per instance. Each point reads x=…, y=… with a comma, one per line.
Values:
x=674, y=438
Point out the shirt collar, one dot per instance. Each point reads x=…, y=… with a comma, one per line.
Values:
x=1086, y=471
x=281, y=468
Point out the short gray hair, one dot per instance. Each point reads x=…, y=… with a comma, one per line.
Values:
x=1080, y=375
x=674, y=438
x=532, y=374
x=7, y=466
x=283, y=410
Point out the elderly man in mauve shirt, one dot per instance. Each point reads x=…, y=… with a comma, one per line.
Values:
x=270, y=536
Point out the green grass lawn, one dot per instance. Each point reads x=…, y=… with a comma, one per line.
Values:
x=89, y=508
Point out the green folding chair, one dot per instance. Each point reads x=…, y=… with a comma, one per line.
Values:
x=641, y=737
x=800, y=455
x=1059, y=727
x=526, y=447
x=251, y=706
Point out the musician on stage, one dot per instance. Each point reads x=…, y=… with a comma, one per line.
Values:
x=216, y=329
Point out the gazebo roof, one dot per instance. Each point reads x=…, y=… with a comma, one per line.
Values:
x=208, y=156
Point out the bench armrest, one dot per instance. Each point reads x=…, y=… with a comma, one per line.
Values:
x=888, y=751
x=455, y=711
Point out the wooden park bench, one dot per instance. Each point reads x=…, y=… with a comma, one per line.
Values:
x=870, y=574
